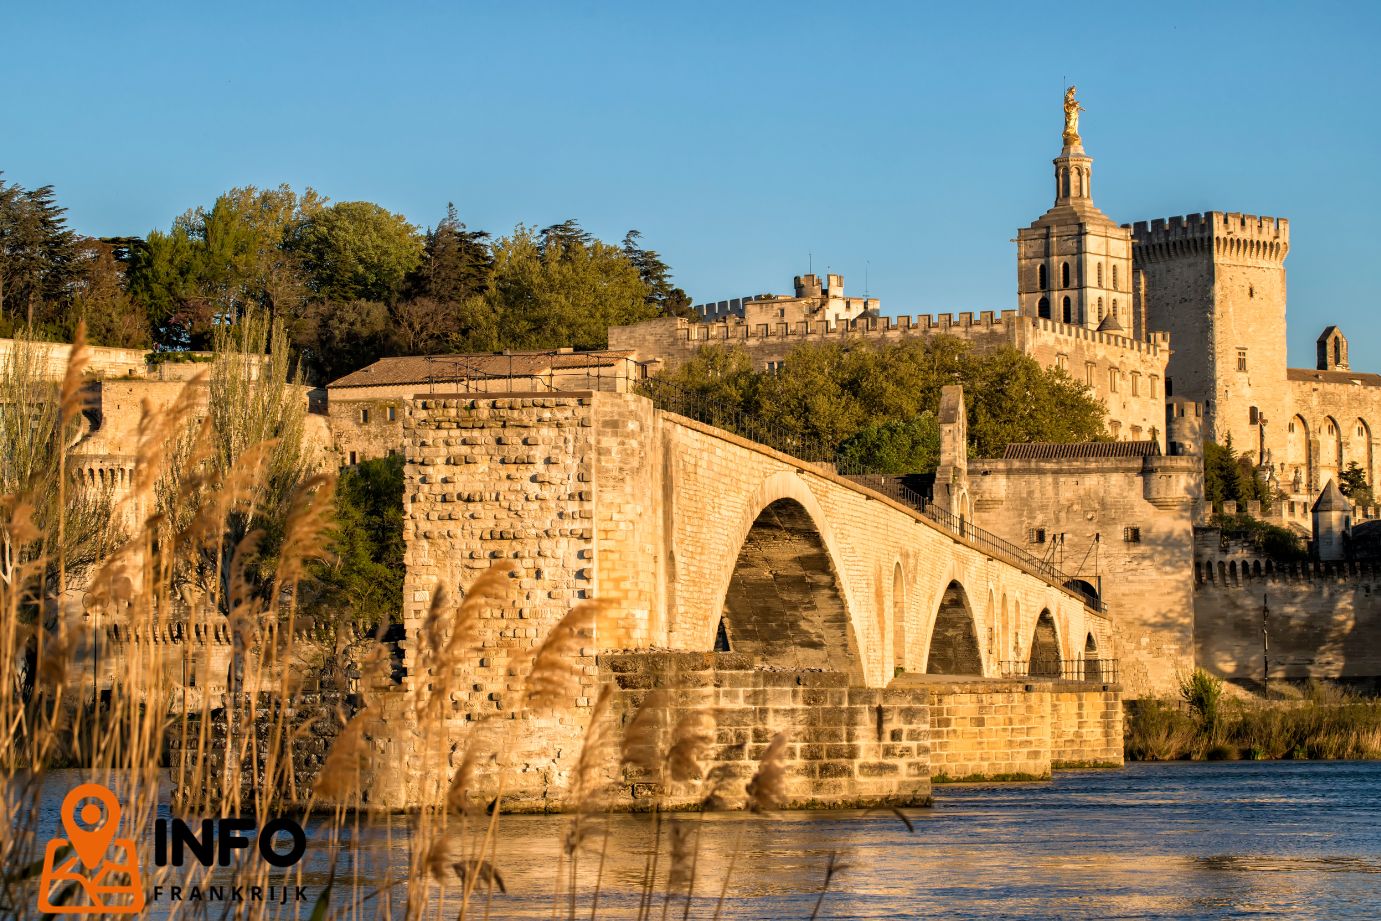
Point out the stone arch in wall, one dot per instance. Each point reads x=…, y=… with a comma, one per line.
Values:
x=899, y=656
x=1093, y=667
x=1330, y=450
x=954, y=637
x=1044, y=660
x=784, y=604
x=1043, y=308
x=1359, y=448
x=1299, y=465
x=1083, y=586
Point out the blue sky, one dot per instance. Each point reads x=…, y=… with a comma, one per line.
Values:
x=897, y=141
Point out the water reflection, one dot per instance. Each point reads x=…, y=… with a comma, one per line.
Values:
x=1273, y=840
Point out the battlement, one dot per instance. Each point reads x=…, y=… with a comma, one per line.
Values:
x=1224, y=233
x=735, y=329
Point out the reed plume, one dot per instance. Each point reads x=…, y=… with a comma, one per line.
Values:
x=554, y=680
x=691, y=739
x=767, y=789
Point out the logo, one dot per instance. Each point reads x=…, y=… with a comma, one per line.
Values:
x=110, y=885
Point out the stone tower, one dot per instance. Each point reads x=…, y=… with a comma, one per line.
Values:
x=1074, y=264
x=1332, y=523
x=1216, y=283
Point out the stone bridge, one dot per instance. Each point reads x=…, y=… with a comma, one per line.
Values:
x=707, y=541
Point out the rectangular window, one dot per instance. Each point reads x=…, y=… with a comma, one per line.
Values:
x=1088, y=373
x=1151, y=383
x=1112, y=380
x=1062, y=362
x=353, y=461
x=1136, y=384
x=1131, y=535
x=1036, y=536
x=1241, y=359
x=364, y=416
x=392, y=412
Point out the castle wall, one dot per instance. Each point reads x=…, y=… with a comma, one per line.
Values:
x=1335, y=423
x=1324, y=621
x=1141, y=574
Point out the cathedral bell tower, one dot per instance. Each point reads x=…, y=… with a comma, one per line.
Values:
x=1074, y=264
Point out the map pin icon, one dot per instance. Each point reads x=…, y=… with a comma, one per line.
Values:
x=90, y=844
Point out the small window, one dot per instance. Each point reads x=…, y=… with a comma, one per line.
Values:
x=1114, y=277
x=1114, y=308
x=1040, y=277
x=1112, y=380
x=1089, y=368
x=1253, y=416
x=1100, y=274
x=392, y=413
x=1043, y=308
x=364, y=416
x=1169, y=388
x=1036, y=535
x=1241, y=359
x=1100, y=310
x=1151, y=384
x=1131, y=535
x=1062, y=362
x=1136, y=384
x=1064, y=275
x=353, y=460
x=1292, y=428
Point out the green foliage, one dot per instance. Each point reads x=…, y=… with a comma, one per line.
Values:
x=1269, y=540
x=356, y=250
x=662, y=295
x=897, y=447
x=1352, y=482
x=1229, y=476
x=363, y=584
x=37, y=260
x=873, y=399
x=1203, y=692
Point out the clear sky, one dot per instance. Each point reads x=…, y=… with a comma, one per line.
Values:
x=902, y=142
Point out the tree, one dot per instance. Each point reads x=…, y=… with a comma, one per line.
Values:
x=456, y=261
x=557, y=288
x=363, y=583
x=864, y=406
x=1231, y=477
x=1352, y=482
x=100, y=300
x=220, y=263
x=669, y=300
x=356, y=250
x=37, y=255
x=339, y=337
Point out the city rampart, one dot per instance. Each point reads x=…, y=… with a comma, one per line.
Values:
x=1312, y=619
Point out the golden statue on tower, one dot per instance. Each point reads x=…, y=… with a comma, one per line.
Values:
x=1072, y=110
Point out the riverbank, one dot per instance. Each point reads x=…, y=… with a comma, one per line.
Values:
x=1319, y=722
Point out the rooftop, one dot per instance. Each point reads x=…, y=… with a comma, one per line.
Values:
x=421, y=369
x=1083, y=451
x=1365, y=379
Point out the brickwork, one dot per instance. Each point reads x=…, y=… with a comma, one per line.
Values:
x=1125, y=526
x=1323, y=622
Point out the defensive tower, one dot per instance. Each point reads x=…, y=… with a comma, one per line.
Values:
x=1074, y=264
x=1216, y=283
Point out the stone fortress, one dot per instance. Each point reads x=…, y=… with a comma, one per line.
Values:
x=1090, y=570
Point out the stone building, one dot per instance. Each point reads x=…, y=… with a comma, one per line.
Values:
x=811, y=301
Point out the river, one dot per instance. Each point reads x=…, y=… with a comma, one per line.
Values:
x=1180, y=840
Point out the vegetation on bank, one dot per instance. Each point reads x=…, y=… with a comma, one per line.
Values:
x=872, y=408
x=1324, y=722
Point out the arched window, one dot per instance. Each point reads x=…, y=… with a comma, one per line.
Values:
x=1114, y=308
x=1100, y=310
x=1114, y=276
x=1041, y=281
x=1100, y=274
x=1043, y=308
x=1064, y=275
x=1068, y=312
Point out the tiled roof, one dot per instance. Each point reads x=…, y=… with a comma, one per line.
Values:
x=1334, y=377
x=1090, y=449
x=420, y=369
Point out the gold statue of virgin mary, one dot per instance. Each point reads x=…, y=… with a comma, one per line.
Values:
x=1072, y=110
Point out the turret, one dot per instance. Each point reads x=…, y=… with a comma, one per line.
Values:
x=1332, y=523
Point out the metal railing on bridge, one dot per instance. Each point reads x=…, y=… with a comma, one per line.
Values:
x=1102, y=671
x=812, y=451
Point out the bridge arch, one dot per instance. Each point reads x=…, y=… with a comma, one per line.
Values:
x=899, y=656
x=783, y=600
x=1045, y=647
x=954, y=646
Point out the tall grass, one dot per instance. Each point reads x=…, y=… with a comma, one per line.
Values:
x=225, y=508
x=1328, y=723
